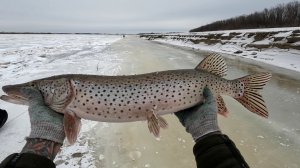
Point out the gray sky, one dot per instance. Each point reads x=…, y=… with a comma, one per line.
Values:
x=120, y=16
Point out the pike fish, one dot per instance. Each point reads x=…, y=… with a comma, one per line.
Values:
x=141, y=97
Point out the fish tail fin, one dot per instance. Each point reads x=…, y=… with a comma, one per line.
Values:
x=251, y=98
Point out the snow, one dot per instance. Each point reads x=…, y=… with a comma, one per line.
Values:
x=284, y=58
x=263, y=42
x=27, y=57
x=80, y=154
x=283, y=34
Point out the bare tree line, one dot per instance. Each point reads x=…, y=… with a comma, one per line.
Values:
x=283, y=15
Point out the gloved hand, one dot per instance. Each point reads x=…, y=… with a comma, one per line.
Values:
x=201, y=120
x=45, y=122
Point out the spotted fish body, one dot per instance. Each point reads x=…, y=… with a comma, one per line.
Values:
x=145, y=96
x=132, y=98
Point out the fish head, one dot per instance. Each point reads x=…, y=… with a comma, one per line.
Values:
x=14, y=94
x=57, y=93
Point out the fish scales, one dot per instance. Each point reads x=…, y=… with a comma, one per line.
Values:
x=133, y=98
x=141, y=97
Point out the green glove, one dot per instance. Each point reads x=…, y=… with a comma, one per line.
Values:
x=45, y=122
x=201, y=119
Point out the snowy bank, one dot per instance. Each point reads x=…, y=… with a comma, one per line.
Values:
x=278, y=47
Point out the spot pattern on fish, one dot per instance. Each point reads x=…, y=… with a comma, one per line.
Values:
x=137, y=96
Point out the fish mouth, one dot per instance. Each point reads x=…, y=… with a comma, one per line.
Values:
x=16, y=99
x=14, y=95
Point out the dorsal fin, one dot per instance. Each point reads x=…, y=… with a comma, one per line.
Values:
x=214, y=64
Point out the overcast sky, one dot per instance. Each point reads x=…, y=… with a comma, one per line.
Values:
x=120, y=16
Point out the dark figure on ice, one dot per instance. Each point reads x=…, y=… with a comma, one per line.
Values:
x=3, y=117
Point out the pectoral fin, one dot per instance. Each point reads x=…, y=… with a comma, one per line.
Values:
x=72, y=125
x=221, y=106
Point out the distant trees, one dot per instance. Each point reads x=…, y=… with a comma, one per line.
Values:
x=287, y=15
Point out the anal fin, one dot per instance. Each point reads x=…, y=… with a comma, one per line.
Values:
x=222, y=110
x=72, y=125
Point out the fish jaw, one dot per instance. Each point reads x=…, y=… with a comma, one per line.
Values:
x=57, y=93
x=14, y=94
x=14, y=89
x=15, y=99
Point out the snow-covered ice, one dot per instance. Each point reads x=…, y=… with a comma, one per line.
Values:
x=27, y=57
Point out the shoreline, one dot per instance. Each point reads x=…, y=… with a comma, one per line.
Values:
x=279, y=71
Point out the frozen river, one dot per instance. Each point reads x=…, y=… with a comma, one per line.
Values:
x=264, y=143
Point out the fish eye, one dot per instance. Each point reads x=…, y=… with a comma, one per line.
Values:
x=31, y=84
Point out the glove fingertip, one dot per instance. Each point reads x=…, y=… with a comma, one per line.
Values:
x=178, y=114
x=207, y=92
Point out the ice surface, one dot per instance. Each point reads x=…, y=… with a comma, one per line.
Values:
x=27, y=57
